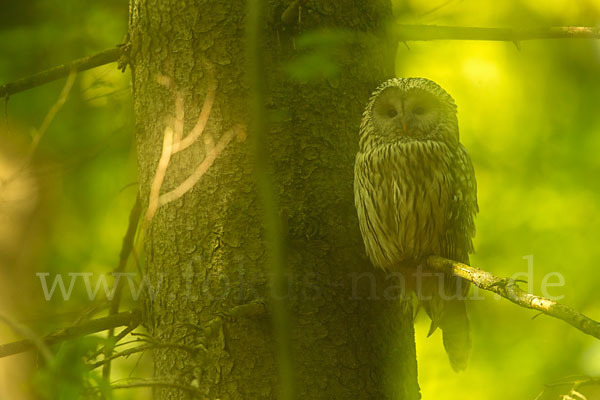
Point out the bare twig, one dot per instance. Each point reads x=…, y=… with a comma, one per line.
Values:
x=52, y=113
x=126, y=248
x=34, y=339
x=39, y=133
x=435, y=32
x=156, y=383
x=404, y=32
x=129, y=318
x=142, y=348
x=81, y=64
x=508, y=289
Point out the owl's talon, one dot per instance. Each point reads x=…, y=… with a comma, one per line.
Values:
x=501, y=283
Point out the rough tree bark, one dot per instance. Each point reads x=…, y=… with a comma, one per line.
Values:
x=205, y=252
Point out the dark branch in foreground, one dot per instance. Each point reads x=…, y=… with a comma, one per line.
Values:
x=138, y=383
x=406, y=33
x=126, y=249
x=129, y=318
x=508, y=289
x=52, y=74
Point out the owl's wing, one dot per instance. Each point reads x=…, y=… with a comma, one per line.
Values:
x=453, y=317
x=463, y=208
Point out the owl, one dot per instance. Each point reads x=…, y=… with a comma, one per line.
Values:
x=415, y=195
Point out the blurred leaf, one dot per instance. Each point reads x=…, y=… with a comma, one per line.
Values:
x=67, y=377
x=319, y=55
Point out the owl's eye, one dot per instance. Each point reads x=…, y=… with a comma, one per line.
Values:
x=419, y=110
x=391, y=112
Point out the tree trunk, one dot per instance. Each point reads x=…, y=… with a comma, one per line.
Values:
x=205, y=253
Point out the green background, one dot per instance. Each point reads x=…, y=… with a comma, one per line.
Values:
x=528, y=115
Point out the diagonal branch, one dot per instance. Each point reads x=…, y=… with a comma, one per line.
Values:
x=39, y=133
x=126, y=249
x=129, y=318
x=52, y=74
x=508, y=289
x=434, y=32
x=138, y=383
x=33, y=339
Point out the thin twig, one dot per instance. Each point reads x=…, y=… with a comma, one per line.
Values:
x=39, y=134
x=126, y=247
x=129, y=318
x=508, y=289
x=52, y=113
x=34, y=339
x=139, y=349
x=404, y=32
x=435, y=32
x=155, y=383
x=49, y=75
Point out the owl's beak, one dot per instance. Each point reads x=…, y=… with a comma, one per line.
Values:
x=404, y=127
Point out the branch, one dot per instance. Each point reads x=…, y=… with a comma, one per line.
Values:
x=35, y=340
x=403, y=33
x=139, y=349
x=433, y=32
x=52, y=74
x=508, y=289
x=126, y=248
x=129, y=318
x=138, y=383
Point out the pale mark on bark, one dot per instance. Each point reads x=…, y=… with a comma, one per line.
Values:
x=174, y=142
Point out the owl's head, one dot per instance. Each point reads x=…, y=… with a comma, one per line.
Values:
x=409, y=109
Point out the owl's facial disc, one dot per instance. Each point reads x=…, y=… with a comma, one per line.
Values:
x=407, y=114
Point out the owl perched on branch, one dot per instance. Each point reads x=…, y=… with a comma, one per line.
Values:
x=415, y=194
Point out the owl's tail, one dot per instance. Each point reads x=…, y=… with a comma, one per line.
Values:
x=450, y=314
x=456, y=333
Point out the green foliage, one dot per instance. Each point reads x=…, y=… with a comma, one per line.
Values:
x=318, y=55
x=529, y=120
x=67, y=377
